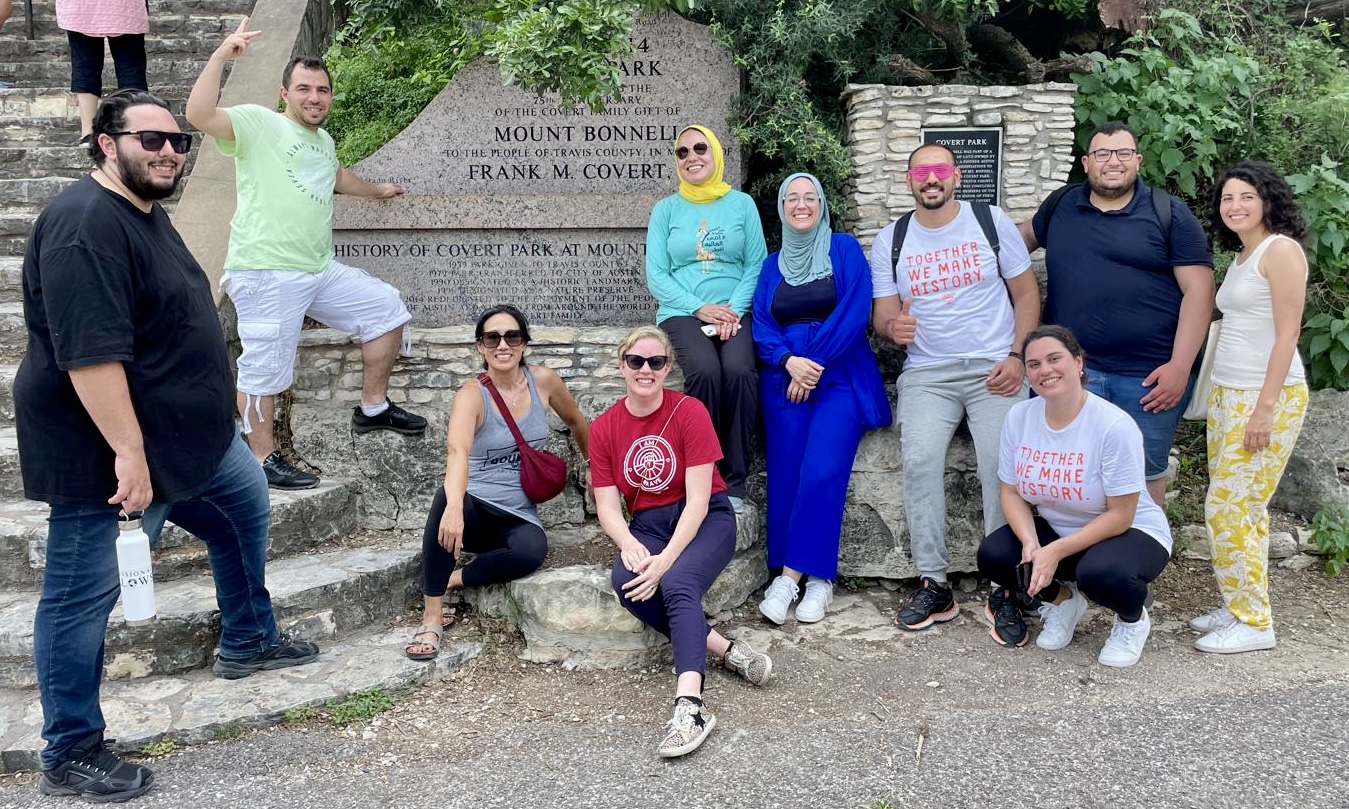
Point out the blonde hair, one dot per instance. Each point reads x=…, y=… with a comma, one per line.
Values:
x=642, y=332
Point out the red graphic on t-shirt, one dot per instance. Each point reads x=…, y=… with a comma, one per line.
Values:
x=1047, y=475
x=943, y=270
x=650, y=464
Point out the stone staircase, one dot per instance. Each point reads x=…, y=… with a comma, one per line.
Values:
x=344, y=561
x=329, y=582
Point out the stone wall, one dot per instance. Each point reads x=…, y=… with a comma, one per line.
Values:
x=398, y=474
x=885, y=123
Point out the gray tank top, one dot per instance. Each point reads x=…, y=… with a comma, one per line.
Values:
x=494, y=458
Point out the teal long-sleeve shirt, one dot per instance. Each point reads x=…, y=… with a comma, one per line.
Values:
x=700, y=253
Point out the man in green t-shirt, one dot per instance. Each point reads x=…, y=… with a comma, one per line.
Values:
x=280, y=266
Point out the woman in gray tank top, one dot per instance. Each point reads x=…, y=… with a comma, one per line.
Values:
x=481, y=508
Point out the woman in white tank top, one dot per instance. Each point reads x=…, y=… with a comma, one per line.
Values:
x=1259, y=396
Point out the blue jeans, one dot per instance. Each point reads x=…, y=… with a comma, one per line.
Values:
x=80, y=587
x=1158, y=428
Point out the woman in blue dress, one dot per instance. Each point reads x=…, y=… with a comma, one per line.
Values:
x=821, y=391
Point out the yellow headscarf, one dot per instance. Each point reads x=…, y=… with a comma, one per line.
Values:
x=713, y=188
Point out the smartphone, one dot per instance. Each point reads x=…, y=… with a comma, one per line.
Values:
x=1023, y=571
x=710, y=329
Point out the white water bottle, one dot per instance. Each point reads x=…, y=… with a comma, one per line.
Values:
x=134, y=569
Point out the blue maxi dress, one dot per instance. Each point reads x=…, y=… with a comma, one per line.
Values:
x=812, y=445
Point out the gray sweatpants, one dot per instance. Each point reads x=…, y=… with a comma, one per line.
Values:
x=932, y=402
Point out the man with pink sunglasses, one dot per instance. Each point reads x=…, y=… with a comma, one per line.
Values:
x=960, y=303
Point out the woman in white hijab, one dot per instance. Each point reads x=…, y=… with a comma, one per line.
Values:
x=821, y=391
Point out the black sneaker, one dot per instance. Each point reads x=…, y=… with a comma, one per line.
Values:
x=96, y=774
x=281, y=475
x=284, y=654
x=932, y=603
x=1006, y=624
x=394, y=418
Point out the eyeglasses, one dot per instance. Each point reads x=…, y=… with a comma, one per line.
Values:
x=683, y=151
x=1103, y=155
x=636, y=361
x=491, y=339
x=797, y=199
x=152, y=140
x=944, y=171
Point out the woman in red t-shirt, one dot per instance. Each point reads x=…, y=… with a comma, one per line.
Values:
x=656, y=451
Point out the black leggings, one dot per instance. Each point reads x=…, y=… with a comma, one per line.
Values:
x=723, y=376
x=86, y=62
x=1114, y=572
x=506, y=546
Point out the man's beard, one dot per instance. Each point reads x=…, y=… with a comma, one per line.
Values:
x=933, y=206
x=139, y=181
x=1105, y=192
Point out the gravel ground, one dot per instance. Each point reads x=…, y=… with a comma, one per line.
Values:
x=857, y=715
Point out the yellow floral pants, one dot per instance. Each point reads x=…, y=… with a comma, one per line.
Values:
x=1240, y=486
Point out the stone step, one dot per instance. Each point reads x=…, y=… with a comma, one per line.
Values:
x=195, y=707
x=302, y=521
x=49, y=73
x=17, y=131
x=568, y=614
x=208, y=28
x=13, y=336
x=19, y=104
x=316, y=596
x=7, y=397
x=160, y=45
x=24, y=194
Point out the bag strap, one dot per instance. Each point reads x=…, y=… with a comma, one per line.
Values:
x=486, y=382
x=1161, y=206
x=661, y=434
x=983, y=214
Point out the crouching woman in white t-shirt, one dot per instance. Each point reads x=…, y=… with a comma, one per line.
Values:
x=1078, y=460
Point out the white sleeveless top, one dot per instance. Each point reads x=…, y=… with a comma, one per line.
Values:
x=1247, y=336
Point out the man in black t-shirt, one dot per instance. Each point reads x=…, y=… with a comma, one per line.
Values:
x=124, y=403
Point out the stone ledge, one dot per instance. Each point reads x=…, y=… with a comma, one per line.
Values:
x=316, y=596
x=301, y=521
x=193, y=708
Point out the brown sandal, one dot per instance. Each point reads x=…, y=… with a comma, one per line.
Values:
x=425, y=629
x=454, y=612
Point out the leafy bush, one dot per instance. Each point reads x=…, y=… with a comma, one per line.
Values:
x=1187, y=91
x=1324, y=198
x=1330, y=535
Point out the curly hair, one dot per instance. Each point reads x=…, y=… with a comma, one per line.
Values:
x=1281, y=211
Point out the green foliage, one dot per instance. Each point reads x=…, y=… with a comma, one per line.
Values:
x=1188, y=91
x=381, y=84
x=301, y=714
x=228, y=732
x=159, y=749
x=360, y=707
x=567, y=48
x=1330, y=535
x=1324, y=197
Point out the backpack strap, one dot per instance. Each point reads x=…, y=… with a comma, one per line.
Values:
x=897, y=243
x=1161, y=204
x=1051, y=203
x=983, y=212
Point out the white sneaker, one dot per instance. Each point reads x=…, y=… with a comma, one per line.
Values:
x=1061, y=619
x=1236, y=637
x=819, y=594
x=1125, y=644
x=778, y=598
x=1210, y=621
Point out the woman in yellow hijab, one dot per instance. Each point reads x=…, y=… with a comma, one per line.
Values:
x=704, y=248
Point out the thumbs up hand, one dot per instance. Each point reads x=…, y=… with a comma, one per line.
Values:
x=904, y=327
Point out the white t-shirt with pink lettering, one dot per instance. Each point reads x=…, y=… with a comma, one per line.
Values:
x=1067, y=474
x=959, y=298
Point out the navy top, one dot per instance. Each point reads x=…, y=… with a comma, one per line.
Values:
x=812, y=301
x=839, y=342
x=1111, y=276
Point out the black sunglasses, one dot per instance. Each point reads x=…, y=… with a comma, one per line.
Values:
x=636, y=361
x=152, y=140
x=491, y=339
x=683, y=151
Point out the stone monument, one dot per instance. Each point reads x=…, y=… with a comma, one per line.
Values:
x=516, y=198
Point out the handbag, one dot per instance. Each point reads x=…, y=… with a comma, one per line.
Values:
x=543, y=475
x=1197, y=409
